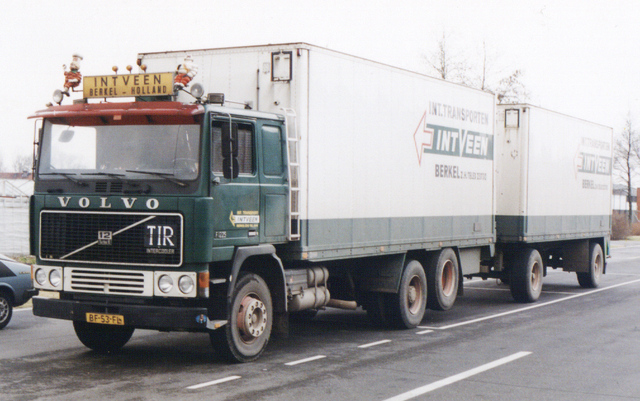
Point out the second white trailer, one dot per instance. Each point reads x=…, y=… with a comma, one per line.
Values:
x=553, y=194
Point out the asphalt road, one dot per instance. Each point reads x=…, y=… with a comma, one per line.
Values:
x=573, y=344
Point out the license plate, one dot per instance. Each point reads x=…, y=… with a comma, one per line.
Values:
x=103, y=318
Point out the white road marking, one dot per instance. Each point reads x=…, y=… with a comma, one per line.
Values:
x=456, y=378
x=539, y=305
x=508, y=290
x=374, y=344
x=213, y=383
x=313, y=358
x=425, y=332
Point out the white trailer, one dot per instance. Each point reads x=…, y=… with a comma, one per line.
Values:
x=553, y=193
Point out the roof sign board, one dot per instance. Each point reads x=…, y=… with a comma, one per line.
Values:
x=127, y=85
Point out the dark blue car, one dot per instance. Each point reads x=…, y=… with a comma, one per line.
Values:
x=16, y=287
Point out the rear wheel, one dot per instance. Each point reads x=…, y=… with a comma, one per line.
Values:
x=443, y=280
x=101, y=338
x=591, y=279
x=526, y=276
x=6, y=309
x=408, y=306
x=246, y=335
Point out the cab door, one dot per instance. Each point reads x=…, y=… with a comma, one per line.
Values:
x=273, y=183
x=235, y=186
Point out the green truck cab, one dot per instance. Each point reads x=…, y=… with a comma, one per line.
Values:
x=141, y=209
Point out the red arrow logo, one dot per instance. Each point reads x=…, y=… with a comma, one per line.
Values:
x=423, y=138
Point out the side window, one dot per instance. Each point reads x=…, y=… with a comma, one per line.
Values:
x=272, y=150
x=245, y=148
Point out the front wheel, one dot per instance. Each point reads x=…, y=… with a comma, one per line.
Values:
x=408, y=306
x=526, y=276
x=591, y=279
x=245, y=336
x=6, y=310
x=103, y=339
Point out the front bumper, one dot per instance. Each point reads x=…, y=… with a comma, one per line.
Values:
x=165, y=318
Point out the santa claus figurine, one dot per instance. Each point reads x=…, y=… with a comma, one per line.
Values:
x=185, y=73
x=72, y=78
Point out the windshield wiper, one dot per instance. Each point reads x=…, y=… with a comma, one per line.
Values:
x=114, y=175
x=69, y=177
x=166, y=176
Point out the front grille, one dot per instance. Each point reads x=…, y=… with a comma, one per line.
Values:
x=109, y=187
x=111, y=238
x=113, y=282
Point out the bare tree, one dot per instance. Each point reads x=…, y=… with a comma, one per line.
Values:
x=445, y=63
x=626, y=160
x=22, y=163
x=510, y=89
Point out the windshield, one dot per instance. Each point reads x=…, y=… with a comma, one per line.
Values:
x=137, y=152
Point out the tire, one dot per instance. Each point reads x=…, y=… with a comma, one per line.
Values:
x=442, y=280
x=377, y=307
x=408, y=306
x=591, y=279
x=245, y=337
x=103, y=339
x=6, y=309
x=526, y=276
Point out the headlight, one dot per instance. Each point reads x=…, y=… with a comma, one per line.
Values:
x=165, y=283
x=186, y=284
x=54, y=278
x=41, y=277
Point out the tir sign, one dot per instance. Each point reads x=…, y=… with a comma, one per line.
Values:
x=159, y=237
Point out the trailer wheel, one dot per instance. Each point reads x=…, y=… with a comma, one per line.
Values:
x=6, y=309
x=526, y=276
x=443, y=279
x=591, y=279
x=103, y=339
x=246, y=335
x=408, y=306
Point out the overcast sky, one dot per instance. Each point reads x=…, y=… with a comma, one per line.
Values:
x=578, y=57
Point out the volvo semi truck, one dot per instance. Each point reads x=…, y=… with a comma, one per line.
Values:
x=222, y=190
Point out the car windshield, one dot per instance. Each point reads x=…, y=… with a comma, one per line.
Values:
x=137, y=152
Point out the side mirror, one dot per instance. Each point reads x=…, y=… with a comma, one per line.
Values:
x=230, y=166
x=66, y=136
x=229, y=140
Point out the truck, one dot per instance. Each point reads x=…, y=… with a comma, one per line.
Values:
x=301, y=178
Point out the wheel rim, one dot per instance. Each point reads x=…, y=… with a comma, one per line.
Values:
x=414, y=295
x=597, y=268
x=4, y=309
x=536, y=276
x=448, y=279
x=252, y=318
